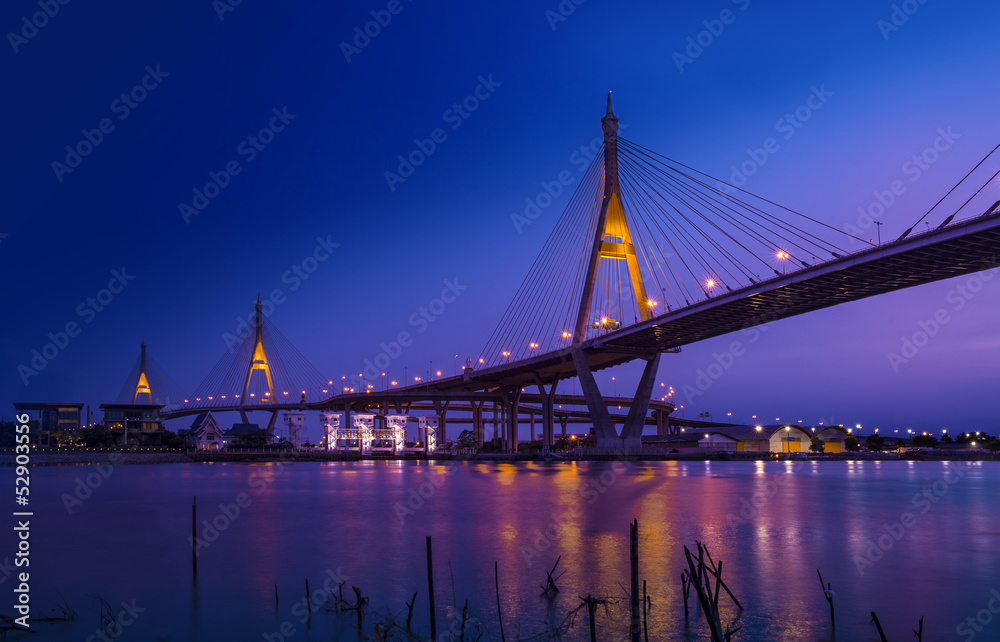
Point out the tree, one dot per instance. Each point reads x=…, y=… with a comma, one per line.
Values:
x=946, y=439
x=927, y=441
x=851, y=443
x=251, y=439
x=171, y=439
x=817, y=445
x=875, y=442
x=307, y=444
x=466, y=439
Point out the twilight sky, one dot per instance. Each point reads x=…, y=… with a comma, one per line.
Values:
x=160, y=99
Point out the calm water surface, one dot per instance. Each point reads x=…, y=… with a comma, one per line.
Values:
x=773, y=523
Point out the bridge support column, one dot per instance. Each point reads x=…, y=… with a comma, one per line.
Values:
x=347, y=425
x=636, y=419
x=548, y=429
x=531, y=433
x=441, y=410
x=271, y=422
x=564, y=420
x=478, y=428
x=510, y=402
x=604, y=429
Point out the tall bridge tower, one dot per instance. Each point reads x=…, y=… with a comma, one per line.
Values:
x=259, y=363
x=613, y=241
x=142, y=384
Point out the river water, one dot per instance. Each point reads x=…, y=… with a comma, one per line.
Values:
x=905, y=539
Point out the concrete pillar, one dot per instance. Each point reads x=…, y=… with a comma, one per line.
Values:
x=532, y=433
x=604, y=428
x=636, y=419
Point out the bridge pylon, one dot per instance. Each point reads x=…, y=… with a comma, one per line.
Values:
x=259, y=363
x=613, y=241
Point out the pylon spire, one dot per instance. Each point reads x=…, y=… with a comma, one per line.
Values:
x=259, y=360
x=612, y=237
x=142, y=385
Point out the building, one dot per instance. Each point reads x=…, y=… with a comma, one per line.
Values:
x=46, y=418
x=206, y=434
x=782, y=438
x=139, y=424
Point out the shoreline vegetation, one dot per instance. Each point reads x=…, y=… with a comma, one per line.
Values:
x=152, y=455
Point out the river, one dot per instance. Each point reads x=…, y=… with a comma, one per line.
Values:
x=903, y=539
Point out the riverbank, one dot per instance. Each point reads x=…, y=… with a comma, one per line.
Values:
x=62, y=457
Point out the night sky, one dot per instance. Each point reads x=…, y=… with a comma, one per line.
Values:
x=160, y=99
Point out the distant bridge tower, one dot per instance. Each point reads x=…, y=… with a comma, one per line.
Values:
x=142, y=384
x=259, y=362
x=613, y=240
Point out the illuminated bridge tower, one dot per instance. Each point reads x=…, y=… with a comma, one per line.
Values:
x=258, y=363
x=613, y=242
x=142, y=384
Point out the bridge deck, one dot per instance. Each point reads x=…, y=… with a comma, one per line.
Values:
x=962, y=248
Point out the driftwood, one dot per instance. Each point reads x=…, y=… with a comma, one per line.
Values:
x=920, y=630
x=550, y=589
x=700, y=571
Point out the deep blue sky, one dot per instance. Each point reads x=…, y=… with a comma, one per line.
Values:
x=323, y=176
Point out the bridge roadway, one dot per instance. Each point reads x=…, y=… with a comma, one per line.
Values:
x=961, y=248
x=405, y=400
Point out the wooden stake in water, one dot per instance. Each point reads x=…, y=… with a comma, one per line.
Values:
x=636, y=623
x=430, y=587
x=275, y=597
x=496, y=582
x=309, y=604
x=194, y=535
x=828, y=593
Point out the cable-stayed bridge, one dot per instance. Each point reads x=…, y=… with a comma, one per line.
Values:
x=649, y=255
